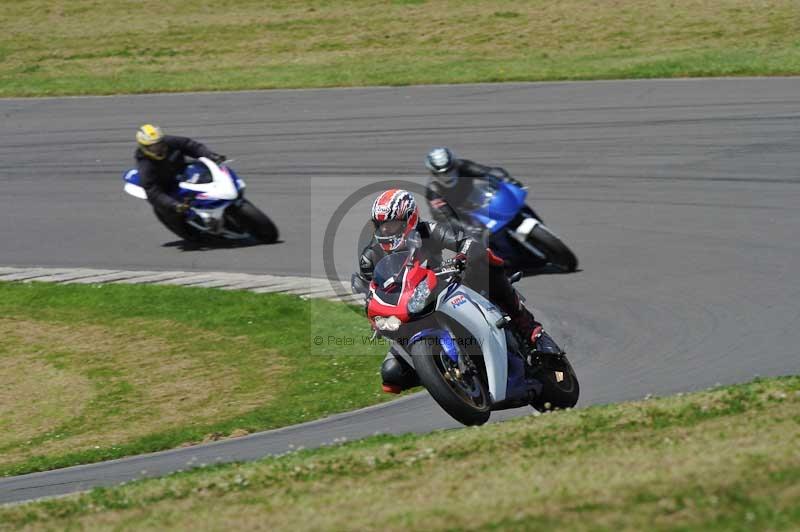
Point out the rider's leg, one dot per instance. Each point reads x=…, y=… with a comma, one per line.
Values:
x=174, y=221
x=492, y=275
x=503, y=294
x=397, y=375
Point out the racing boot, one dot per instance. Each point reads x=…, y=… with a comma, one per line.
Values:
x=397, y=375
x=538, y=343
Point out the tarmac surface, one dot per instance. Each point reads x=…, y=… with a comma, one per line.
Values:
x=680, y=198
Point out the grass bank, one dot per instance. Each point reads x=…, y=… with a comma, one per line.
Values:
x=724, y=459
x=57, y=47
x=97, y=372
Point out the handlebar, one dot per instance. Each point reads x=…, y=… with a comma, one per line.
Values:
x=451, y=267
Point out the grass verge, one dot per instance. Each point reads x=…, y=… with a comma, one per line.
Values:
x=118, y=46
x=97, y=372
x=724, y=459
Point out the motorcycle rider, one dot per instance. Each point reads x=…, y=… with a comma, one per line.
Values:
x=159, y=159
x=452, y=180
x=394, y=216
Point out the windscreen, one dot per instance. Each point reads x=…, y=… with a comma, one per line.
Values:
x=388, y=276
x=481, y=195
x=196, y=173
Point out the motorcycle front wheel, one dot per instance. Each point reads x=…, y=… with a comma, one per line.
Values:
x=464, y=397
x=556, y=252
x=254, y=221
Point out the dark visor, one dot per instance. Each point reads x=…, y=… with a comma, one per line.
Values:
x=391, y=228
x=159, y=148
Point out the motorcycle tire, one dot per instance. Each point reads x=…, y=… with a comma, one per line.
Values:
x=432, y=376
x=558, y=254
x=560, y=387
x=251, y=219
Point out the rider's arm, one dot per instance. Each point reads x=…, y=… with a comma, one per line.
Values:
x=367, y=261
x=474, y=169
x=502, y=174
x=189, y=147
x=155, y=193
x=445, y=236
x=440, y=209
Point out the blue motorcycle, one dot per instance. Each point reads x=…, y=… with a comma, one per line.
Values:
x=217, y=209
x=496, y=214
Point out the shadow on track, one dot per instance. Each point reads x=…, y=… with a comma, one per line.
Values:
x=208, y=245
x=548, y=269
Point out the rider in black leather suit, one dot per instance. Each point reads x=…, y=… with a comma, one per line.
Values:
x=159, y=159
x=484, y=270
x=452, y=181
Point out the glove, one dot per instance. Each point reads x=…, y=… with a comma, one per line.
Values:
x=514, y=182
x=503, y=175
x=471, y=252
x=181, y=208
x=217, y=158
x=460, y=261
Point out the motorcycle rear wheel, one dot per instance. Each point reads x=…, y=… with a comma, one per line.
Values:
x=557, y=253
x=254, y=221
x=465, y=398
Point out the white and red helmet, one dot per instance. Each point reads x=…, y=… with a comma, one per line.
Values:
x=395, y=215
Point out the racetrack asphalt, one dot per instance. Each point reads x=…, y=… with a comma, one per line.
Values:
x=680, y=198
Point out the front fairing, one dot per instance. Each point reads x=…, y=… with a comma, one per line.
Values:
x=133, y=183
x=479, y=316
x=195, y=173
x=210, y=186
x=395, y=280
x=496, y=204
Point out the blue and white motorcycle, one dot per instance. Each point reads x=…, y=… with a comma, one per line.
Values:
x=217, y=207
x=459, y=343
x=496, y=214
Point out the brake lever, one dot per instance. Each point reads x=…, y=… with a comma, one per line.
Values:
x=444, y=272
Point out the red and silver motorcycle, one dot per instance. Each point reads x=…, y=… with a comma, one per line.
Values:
x=459, y=343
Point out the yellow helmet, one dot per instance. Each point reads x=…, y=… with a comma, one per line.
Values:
x=151, y=141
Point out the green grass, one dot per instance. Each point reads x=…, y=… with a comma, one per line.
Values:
x=723, y=459
x=121, y=46
x=97, y=372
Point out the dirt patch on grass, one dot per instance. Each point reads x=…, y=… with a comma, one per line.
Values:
x=35, y=396
x=80, y=386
